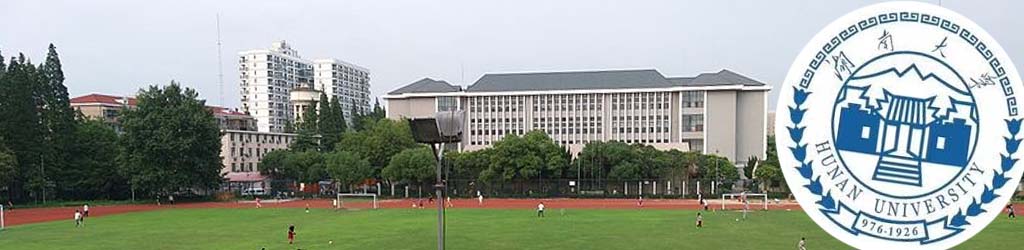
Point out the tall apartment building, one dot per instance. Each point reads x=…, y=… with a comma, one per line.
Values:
x=348, y=82
x=267, y=76
x=722, y=113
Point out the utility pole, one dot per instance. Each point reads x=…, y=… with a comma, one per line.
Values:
x=439, y=187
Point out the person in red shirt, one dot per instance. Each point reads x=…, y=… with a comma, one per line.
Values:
x=291, y=234
x=258, y=204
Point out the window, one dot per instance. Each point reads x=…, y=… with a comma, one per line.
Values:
x=940, y=143
x=692, y=99
x=865, y=133
x=447, y=103
x=692, y=123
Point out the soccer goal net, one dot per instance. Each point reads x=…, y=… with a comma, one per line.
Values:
x=351, y=198
x=744, y=201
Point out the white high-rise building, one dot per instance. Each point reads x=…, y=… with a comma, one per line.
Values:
x=347, y=81
x=267, y=76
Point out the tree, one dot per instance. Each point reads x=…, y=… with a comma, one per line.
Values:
x=769, y=173
x=307, y=132
x=348, y=168
x=171, y=141
x=357, y=120
x=468, y=165
x=332, y=123
x=22, y=128
x=379, y=142
x=534, y=156
x=305, y=166
x=718, y=169
x=8, y=164
x=413, y=165
x=57, y=118
x=94, y=174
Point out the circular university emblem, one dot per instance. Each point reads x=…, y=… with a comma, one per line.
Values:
x=898, y=127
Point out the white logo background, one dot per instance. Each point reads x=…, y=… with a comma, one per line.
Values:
x=840, y=190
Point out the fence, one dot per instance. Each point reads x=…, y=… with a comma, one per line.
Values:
x=582, y=188
x=543, y=188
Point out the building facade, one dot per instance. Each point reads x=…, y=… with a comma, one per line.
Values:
x=242, y=146
x=722, y=113
x=302, y=100
x=267, y=76
x=242, y=150
x=346, y=82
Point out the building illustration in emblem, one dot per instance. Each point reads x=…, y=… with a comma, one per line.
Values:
x=905, y=133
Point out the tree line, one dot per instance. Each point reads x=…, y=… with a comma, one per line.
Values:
x=168, y=143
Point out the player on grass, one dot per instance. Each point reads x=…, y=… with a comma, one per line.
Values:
x=640, y=201
x=700, y=220
x=540, y=209
x=85, y=210
x=480, y=198
x=291, y=234
x=258, y=204
x=1009, y=211
x=802, y=245
x=746, y=204
x=78, y=218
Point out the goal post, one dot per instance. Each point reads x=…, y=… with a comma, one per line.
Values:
x=2, y=217
x=750, y=197
x=341, y=199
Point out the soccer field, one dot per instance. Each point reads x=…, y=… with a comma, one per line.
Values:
x=222, y=228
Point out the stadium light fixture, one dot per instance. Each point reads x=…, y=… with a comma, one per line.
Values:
x=444, y=127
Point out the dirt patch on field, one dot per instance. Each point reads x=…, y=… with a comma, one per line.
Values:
x=37, y=215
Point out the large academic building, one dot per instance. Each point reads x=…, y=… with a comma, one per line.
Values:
x=721, y=113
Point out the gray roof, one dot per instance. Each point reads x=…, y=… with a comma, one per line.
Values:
x=608, y=79
x=580, y=80
x=611, y=79
x=426, y=85
x=723, y=77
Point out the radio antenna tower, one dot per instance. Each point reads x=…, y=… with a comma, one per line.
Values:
x=220, y=65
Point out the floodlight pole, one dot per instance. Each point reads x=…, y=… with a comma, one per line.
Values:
x=438, y=187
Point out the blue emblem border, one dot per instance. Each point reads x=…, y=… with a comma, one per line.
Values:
x=826, y=203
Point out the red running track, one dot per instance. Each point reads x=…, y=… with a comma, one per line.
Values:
x=37, y=215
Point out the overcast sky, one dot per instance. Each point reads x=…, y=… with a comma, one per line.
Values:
x=117, y=47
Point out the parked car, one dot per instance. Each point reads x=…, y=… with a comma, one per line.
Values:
x=254, y=191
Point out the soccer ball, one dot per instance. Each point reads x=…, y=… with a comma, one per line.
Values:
x=330, y=242
x=737, y=219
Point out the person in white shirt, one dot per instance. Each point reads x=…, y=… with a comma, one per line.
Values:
x=802, y=245
x=85, y=210
x=540, y=209
x=480, y=197
x=78, y=218
x=746, y=204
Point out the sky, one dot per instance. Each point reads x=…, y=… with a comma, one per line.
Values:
x=118, y=47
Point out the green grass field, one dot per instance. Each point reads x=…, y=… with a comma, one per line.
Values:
x=467, y=229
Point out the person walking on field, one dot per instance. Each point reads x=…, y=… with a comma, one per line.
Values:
x=640, y=201
x=540, y=209
x=258, y=204
x=85, y=210
x=78, y=218
x=1009, y=211
x=802, y=245
x=170, y=198
x=291, y=234
x=700, y=220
